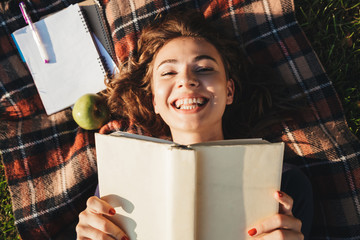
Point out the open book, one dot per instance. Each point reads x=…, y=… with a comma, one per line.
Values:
x=209, y=191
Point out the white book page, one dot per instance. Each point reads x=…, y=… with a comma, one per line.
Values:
x=152, y=192
x=235, y=188
x=74, y=68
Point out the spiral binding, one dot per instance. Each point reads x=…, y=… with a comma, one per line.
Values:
x=101, y=62
x=84, y=22
x=105, y=30
x=100, y=59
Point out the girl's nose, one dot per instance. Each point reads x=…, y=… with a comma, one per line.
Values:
x=188, y=79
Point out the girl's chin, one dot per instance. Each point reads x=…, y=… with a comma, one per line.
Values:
x=192, y=125
x=191, y=134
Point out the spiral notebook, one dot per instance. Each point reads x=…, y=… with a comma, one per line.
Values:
x=76, y=66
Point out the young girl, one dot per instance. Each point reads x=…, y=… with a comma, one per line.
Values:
x=192, y=86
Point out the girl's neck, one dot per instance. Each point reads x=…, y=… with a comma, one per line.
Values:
x=187, y=138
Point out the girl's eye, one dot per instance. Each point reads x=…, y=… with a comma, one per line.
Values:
x=204, y=69
x=168, y=73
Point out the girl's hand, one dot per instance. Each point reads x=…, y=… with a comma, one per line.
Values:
x=280, y=226
x=93, y=225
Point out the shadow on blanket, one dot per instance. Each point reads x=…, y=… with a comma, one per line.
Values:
x=50, y=163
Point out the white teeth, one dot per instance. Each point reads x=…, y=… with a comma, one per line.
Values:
x=189, y=103
x=178, y=104
x=200, y=100
x=188, y=107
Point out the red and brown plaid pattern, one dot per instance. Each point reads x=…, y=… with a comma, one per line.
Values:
x=50, y=163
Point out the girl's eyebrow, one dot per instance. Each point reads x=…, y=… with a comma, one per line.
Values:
x=167, y=61
x=196, y=59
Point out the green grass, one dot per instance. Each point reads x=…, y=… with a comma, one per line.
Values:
x=8, y=230
x=333, y=28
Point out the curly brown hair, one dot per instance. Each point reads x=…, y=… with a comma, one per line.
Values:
x=259, y=97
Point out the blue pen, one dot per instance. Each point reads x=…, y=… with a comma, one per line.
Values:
x=35, y=33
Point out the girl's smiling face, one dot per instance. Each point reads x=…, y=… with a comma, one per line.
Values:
x=190, y=89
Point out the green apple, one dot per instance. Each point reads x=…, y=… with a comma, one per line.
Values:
x=90, y=111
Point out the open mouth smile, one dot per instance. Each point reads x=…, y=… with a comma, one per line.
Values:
x=189, y=103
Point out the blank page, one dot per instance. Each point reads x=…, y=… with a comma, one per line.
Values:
x=75, y=67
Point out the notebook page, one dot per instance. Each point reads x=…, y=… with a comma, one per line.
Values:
x=75, y=67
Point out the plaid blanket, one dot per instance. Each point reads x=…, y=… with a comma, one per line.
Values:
x=50, y=163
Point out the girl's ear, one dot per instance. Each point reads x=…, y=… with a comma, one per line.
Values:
x=230, y=90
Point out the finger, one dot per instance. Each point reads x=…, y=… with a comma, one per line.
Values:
x=97, y=205
x=88, y=233
x=101, y=223
x=281, y=234
x=286, y=202
x=277, y=221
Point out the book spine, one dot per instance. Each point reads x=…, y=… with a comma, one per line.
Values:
x=181, y=192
